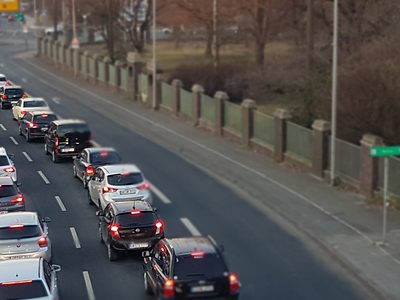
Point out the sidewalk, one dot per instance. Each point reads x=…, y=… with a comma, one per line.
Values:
x=339, y=221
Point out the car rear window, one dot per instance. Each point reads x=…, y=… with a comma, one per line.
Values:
x=103, y=157
x=23, y=290
x=14, y=92
x=3, y=79
x=7, y=190
x=35, y=103
x=125, y=179
x=78, y=128
x=193, y=267
x=4, y=160
x=44, y=118
x=129, y=220
x=27, y=231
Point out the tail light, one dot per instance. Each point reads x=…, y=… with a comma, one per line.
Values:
x=107, y=189
x=17, y=226
x=136, y=212
x=159, y=227
x=24, y=95
x=89, y=170
x=114, y=230
x=16, y=282
x=43, y=241
x=4, y=96
x=8, y=82
x=169, y=288
x=144, y=186
x=56, y=141
x=19, y=199
x=23, y=112
x=9, y=169
x=31, y=124
x=234, y=284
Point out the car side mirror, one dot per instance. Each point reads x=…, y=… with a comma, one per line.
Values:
x=18, y=184
x=99, y=213
x=55, y=268
x=46, y=220
x=155, y=209
x=146, y=254
x=11, y=155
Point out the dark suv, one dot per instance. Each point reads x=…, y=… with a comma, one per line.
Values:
x=66, y=138
x=188, y=268
x=34, y=124
x=129, y=226
x=10, y=95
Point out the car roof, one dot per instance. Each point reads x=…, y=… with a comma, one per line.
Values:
x=2, y=75
x=68, y=121
x=40, y=112
x=126, y=206
x=33, y=99
x=187, y=245
x=22, y=217
x=121, y=168
x=3, y=151
x=6, y=180
x=20, y=269
x=99, y=149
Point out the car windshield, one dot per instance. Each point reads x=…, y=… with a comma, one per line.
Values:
x=28, y=231
x=35, y=103
x=102, y=157
x=4, y=160
x=23, y=290
x=78, y=128
x=129, y=220
x=193, y=267
x=14, y=92
x=44, y=118
x=125, y=179
x=7, y=190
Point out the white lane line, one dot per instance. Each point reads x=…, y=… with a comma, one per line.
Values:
x=96, y=144
x=13, y=140
x=3, y=127
x=189, y=225
x=159, y=194
x=89, y=287
x=46, y=181
x=75, y=237
x=56, y=100
x=60, y=203
x=28, y=158
x=212, y=239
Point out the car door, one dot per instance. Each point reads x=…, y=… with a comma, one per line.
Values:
x=94, y=185
x=23, y=123
x=17, y=109
x=159, y=267
x=106, y=221
x=49, y=136
x=82, y=164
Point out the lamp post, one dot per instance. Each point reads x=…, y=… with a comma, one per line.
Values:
x=334, y=91
x=154, y=54
x=75, y=40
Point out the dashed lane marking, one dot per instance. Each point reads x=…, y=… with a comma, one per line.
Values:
x=60, y=203
x=160, y=194
x=13, y=140
x=46, y=181
x=56, y=100
x=28, y=158
x=89, y=287
x=3, y=127
x=189, y=225
x=75, y=238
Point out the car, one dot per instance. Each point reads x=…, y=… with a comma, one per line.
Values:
x=10, y=95
x=33, y=278
x=24, y=235
x=7, y=167
x=66, y=138
x=34, y=124
x=120, y=182
x=129, y=226
x=3, y=80
x=11, y=198
x=28, y=104
x=90, y=158
x=11, y=18
x=188, y=268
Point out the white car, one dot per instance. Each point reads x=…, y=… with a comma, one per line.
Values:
x=119, y=182
x=3, y=80
x=32, y=278
x=28, y=104
x=7, y=167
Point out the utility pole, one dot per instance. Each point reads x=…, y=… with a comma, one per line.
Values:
x=55, y=20
x=310, y=34
x=215, y=33
x=154, y=3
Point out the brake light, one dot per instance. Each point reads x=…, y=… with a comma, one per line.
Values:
x=8, y=82
x=197, y=254
x=16, y=282
x=144, y=186
x=24, y=95
x=135, y=212
x=104, y=154
x=32, y=125
x=23, y=112
x=56, y=141
x=44, y=115
x=43, y=241
x=17, y=226
x=107, y=189
x=234, y=284
x=89, y=170
x=114, y=230
x=169, y=288
x=19, y=199
x=159, y=227
x=4, y=96
x=9, y=169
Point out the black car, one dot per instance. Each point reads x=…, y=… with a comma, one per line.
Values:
x=129, y=226
x=11, y=198
x=11, y=95
x=90, y=158
x=34, y=124
x=188, y=268
x=66, y=138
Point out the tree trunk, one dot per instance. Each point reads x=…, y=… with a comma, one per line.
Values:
x=259, y=53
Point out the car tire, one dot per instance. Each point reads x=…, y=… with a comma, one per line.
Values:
x=147, y=287
x=19, y=130
x=74, y=172
x=28, y=137
x=54, y=157
x=46, y=149
x=112, y=253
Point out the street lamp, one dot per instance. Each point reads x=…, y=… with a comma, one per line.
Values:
x=75, y=40
x=154, y=54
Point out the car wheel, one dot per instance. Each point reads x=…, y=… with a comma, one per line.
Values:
x=85, y=184
x=27, y=137
x=112, y=254
x=54, y=157
x=46, y=149
x=101, y=235
x=90, y=198
x=19, y=130
x=147, y=287
x=74, y=172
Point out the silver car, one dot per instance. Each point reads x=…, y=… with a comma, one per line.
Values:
x=24, y=235
x=120, y=182
x=33, y=278
x=7, y=167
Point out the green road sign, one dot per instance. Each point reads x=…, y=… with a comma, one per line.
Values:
x=385, y=151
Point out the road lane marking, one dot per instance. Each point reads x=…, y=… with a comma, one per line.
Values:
x=56, y=100
x=75, y=238
x=96, y=144
x=3, y=127
x=60, y=203
x=189, y=225
x=159, y=194
x=212, y=239
x=28, y=158
x=13, y=140
x=89, y=287
x=46, y=181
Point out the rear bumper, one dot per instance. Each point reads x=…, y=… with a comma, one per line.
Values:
x=125, y=245
x=43, y=254
x=13, y=208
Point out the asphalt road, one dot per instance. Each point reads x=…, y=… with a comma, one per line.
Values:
x=272, y=263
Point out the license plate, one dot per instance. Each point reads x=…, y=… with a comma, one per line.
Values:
x=19, y=256
x=128, y=192
x=202, y=289
x=138, y=245
x=44, y=129
x=68, y=150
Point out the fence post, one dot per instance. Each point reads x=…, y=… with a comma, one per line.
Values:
x=248, y=108
x=198, y=91
x=220, y=98
x=76, y=61
x=85, y=67
x=118, y=66
x=369, y=165
x=96, y=58
x=320, y=154
x=176, y=96
x=39, y=49
x=107, y=62
x=280, y=118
